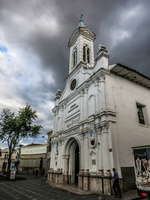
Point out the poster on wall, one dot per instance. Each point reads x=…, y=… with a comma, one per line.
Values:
x=142, y=167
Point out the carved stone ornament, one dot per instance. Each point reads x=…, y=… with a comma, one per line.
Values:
x=81, y=136
x=102, y=78
x=96, y=82
x=55, y=157
x=92, y=152
x=105, y=128
x=82, y=93
x=73, y=122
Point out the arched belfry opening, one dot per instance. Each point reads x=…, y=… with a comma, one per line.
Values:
x=72, y=160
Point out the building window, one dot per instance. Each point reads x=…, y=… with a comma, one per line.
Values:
x=142, y=115
x=74, y=57
x=86, y=54
x=6, y=156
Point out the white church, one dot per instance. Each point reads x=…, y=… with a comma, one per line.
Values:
x=102, y=113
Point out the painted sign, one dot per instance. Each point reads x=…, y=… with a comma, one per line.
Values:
x=13, y=174
x=142, y=167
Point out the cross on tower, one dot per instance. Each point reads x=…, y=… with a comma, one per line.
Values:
x=81, y=16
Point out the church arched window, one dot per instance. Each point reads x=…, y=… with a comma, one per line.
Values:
x=84, y=57
x=86, y=54
x=74, y=57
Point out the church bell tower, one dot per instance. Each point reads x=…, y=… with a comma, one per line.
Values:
x=81, y=46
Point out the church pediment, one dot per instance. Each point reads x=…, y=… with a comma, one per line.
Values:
x=83, y=31
x=86, y=32
x=73, y=37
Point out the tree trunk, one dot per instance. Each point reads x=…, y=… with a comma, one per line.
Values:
x=9, y=165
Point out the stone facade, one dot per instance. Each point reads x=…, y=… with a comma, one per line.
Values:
x=96, y=123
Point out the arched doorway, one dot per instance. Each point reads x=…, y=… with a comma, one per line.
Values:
x=76, y=163
x=72, y=166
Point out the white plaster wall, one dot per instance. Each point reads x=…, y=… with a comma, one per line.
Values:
x=122, y=96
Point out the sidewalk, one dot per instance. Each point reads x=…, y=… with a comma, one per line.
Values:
x=130, y=195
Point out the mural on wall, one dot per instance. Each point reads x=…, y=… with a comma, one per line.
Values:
x=142, y=163
x=93, y=138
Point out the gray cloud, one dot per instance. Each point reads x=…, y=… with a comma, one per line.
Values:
x=37, y=32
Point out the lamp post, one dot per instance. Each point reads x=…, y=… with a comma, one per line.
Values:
x=45, y=138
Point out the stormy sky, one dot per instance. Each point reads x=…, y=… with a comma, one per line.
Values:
x=34, y=56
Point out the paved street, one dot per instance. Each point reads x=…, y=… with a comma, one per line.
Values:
x=37, y=189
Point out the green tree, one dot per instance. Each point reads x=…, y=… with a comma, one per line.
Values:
x=14, y=128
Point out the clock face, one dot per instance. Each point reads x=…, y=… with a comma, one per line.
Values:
x=73, y=84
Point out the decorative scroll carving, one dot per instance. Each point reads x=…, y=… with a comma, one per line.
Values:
x=105, y=128
x=82, y=93
x=86, y=90
x=102, y=78
x=96, y=82
x=73, y=122
x=92, y=152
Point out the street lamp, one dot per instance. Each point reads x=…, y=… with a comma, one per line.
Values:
x=45, y=138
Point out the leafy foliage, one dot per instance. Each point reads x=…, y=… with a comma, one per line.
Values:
x=14, y=128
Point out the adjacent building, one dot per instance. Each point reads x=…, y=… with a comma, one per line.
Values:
x=102, y=113
x=4, y=160
x=33, y=157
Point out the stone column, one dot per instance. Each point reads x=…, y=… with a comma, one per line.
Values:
x=54, y=125
x=96, y=84
x=52, y=155
x=102, y=94
x=86, y=103
x=86, y=152
x=67, y=170
x=59, y=154
x=62, y=118
x=106, y=161
x=63, y=156
x=100, y=153
x=56, y=121
x=82, y=104
x=64, y=113
x=110, y=146
x=82, y=151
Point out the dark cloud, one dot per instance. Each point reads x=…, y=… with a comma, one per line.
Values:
x=38, y=32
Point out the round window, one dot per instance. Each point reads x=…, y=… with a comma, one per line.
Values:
x=73, y=84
